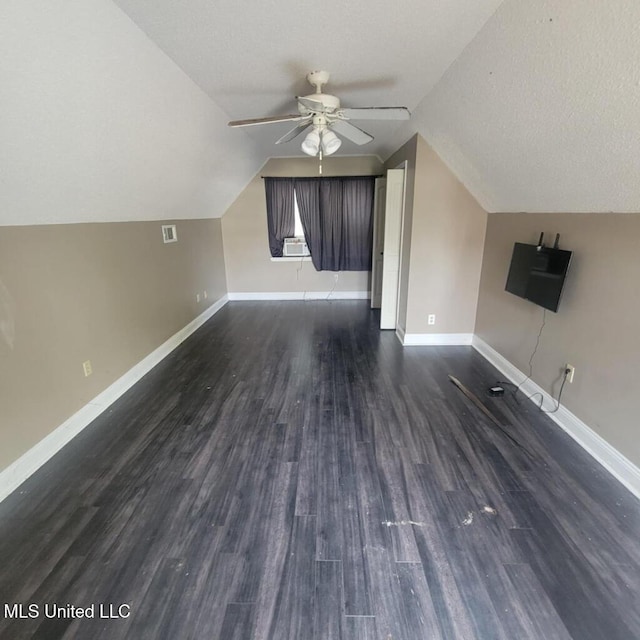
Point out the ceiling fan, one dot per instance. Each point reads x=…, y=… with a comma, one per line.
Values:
x=323, y=115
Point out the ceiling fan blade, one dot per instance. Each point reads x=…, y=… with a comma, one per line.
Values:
x=376, y=113
x=268, y=120
x=301, y=127
x=350, y=131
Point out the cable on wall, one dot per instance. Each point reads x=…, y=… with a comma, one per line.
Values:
x=544, y=321
x=533, y=395
x=335, y=284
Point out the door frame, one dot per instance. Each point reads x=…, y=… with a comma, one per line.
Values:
x=403, y=165
x=388, y=315
x=378, y=239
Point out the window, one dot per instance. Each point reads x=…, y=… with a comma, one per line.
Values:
x=299, y=231
x=295, y=245
x=338, y=220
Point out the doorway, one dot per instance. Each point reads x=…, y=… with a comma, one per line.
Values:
x=387, y=246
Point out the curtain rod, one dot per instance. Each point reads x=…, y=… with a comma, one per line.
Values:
x=321, y=177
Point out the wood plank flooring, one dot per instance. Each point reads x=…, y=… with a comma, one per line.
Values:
x=292, y=473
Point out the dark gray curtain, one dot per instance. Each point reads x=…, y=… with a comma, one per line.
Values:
x=280, y=219
x=356, y=232
x=331, y=219
x=337, y=217
x=308, y=197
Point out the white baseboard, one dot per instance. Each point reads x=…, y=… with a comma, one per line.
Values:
x=436, y=339
x=609, y=457
x=300, y=295
x=400, y=333
x=17, y=472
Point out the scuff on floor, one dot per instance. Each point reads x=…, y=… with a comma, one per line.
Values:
x=469, y=519
x=400, y=523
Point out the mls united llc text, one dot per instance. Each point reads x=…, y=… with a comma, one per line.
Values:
x=52, y=610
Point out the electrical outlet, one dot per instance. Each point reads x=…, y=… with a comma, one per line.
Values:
x=571, y=370
x=205, y=294
x=197, y=297
x=86, y=366
x=431, y=318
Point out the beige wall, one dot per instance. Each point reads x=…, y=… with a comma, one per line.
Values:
x=101, y=126
x=440, y=270
x=595, y=328
x=109, y=293
x=244, y=225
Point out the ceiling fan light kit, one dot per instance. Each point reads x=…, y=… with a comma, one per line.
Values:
x=321, y=137
x=322, y=111
x=330, y=142
x=311, y=143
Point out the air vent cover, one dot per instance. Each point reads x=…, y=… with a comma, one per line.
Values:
x=169, y=233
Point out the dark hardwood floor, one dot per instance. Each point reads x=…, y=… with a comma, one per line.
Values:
x=291, y=473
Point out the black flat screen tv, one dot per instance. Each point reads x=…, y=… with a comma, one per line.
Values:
x=537, y=274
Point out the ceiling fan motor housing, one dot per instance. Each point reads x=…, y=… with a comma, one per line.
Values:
x=329, y=103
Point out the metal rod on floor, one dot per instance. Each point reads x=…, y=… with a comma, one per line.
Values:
x=475, y=400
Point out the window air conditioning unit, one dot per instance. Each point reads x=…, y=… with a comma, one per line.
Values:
x=295, y=247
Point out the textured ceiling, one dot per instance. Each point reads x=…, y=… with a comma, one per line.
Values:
x=542, y=110
x=252, y=57
x=534, y=104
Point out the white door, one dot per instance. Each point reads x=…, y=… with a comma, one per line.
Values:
x=394, y=204
x=378, y=243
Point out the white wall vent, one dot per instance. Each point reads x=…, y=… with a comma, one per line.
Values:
x=169, y=233
x=295, y=247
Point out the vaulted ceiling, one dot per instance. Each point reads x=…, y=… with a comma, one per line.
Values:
x=252, y=57
x=118, y=109
x=533, y=103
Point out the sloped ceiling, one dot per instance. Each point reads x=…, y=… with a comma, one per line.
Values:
x=118, y=110
x=252, y=57
x=97, y=124
x=540, y=112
